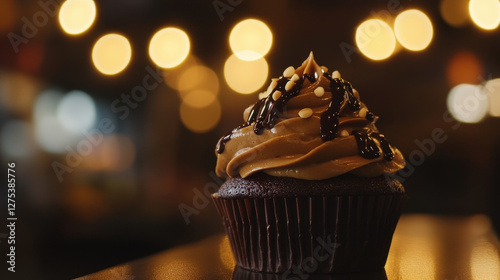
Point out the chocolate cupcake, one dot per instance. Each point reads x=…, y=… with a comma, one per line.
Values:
x=308, y=186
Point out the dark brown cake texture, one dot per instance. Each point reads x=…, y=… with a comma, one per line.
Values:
x=266, y=186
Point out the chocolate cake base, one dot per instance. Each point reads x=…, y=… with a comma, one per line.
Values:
x=296, y=226
x=265, y=186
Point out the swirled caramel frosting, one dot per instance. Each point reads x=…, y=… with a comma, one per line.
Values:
x=309, y=124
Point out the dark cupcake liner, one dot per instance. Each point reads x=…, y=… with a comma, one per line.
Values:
x=329, y=234
x=243, y=274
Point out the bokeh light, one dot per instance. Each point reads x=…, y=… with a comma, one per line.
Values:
x=50, y=134
x=200, y=120
x=116, y=152
x=485, y=13
x=198, y=77
x=250, y=39
x=455, y=12
x=76, y=16
x=17, y=92
x=413, y=29
x=15, y=139
x=169, y=47
x=464, y=68
x=468, y=103
x=173, y=75
x=77, y=111
x=375, y=39
x=46, y=103
x=198, y=86
x=199, y=98
x=111, y=53
x=492, y=88
x=245, y=76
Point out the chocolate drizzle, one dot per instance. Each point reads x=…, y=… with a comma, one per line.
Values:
x=270, y=108
x=266, y=111
x=366, y=145
x=369, y=149
x=340, y=89
x=310, y=77
x=221, y=145
x=370, y=116
x=384, y=144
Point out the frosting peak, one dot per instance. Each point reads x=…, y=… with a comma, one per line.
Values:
x=310, y=125
x=309, y=67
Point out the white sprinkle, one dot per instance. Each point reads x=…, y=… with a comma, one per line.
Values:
x=324, y=68
x=263, y=95
x=362, y=113
x=344, y=133
x=305, y=113
x=288, y=72
x=271, y=86
x=289, y=85
x=276, y=95
x=335, y=74
x=319, y=91
x=295, y=78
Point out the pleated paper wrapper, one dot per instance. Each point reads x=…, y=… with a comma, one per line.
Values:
x=325, y=234
x=243, y=274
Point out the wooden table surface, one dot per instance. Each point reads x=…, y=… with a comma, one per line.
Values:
x=423, y=247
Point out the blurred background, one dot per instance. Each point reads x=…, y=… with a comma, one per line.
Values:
x=111, y=110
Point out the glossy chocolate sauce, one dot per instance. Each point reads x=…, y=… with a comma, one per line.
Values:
x=270, y=109
x=366, y=145
x=385, y=145
x=265, y=112
x=340, y=89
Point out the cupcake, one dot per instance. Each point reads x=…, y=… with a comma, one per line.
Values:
x=308, y=186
